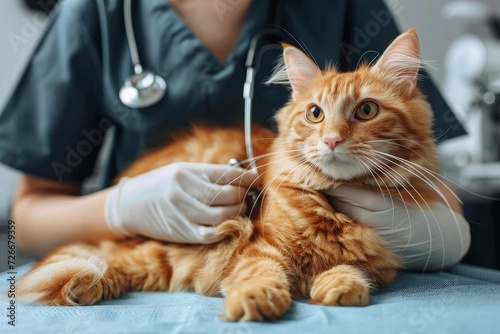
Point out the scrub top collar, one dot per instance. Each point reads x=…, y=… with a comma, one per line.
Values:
x=160, y=17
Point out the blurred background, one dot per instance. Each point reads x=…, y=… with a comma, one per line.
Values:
x=461, y=39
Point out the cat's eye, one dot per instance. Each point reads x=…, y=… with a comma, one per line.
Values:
x=314, y=114
x=366, y=110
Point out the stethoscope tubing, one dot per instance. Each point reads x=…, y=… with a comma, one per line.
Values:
x=135, y=96
x=129, y=32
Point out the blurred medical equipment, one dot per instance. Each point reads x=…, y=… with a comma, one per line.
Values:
x=472, y=86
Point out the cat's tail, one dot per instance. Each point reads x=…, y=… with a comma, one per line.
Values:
x=65, y=279
x=239, y=228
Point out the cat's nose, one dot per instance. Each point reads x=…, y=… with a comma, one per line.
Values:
x=332, y=140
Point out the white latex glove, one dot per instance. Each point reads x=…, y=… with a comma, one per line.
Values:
x=180, y=202
x=427, y=238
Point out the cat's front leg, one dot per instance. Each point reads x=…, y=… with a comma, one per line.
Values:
x=342, y=285
x=257, y=287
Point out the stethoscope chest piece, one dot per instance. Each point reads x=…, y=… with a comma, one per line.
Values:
x=142, y=90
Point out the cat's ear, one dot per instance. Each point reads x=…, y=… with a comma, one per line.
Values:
x=401, y=61
x=297, y=69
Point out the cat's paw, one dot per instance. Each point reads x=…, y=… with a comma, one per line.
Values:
x=78, y=281
x=253, y=301
x=342, y=285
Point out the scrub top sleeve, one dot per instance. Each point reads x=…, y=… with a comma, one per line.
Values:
x=370, y=26
x=51, y=127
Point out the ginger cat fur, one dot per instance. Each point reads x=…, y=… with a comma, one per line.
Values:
x=365, y=128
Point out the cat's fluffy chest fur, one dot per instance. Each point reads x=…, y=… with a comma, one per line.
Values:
x=314, y=238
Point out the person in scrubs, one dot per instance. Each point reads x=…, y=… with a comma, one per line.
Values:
x=66, y=108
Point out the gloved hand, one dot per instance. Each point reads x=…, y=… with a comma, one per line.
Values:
x=180, y=202
x=427, y=237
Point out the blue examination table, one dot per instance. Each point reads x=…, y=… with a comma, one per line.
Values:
x=463, y=299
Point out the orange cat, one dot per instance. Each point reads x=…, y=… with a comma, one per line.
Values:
x=363, y=128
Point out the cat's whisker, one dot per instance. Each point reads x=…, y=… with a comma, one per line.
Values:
x=247, y=192
x=444, y=133
x=390, y=176
x=298, y=161
x=299, y=164
x=424, y=178
x=240, y=177
x=392, y=142
x=418, y=169
x=260, y=157
x=254, y=140
x=365, y=166
x=381, y=191
x=393, y=171
x=297, y=153
x=395, y=186
x=299, y=42
x=279, y=185
x=361, y=58
x=373, y=172
x=438, y=177
x=423, y=212
x=264, y=187
x=386, y=170
x=314, y=171
x=417, y=172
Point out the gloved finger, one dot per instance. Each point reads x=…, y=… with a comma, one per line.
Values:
x=212, y=194
x=224, y=174
x=354, y=212
x=214, y=215
x=375, y=219
x=207, y=235
x=432, y=244
x=224, y=195
x=450, y=229
x=371, y=200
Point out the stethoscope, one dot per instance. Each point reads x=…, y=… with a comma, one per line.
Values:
x=145, y=88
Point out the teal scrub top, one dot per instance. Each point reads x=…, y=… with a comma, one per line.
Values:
x=54, y=123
